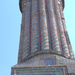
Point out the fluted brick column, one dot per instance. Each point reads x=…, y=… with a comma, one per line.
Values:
x=27, y=43
x=62, y=35
x=54, y=36
x=49, y=29
x=66, y=34
x=35, y=27
x=21, y=37
x=43, y=26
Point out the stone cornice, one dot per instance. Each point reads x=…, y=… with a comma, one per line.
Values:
x=44, y=52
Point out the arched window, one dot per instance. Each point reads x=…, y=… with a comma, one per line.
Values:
x=49, y=61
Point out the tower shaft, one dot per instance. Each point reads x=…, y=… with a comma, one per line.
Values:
x=45, y=48
x=43, y=28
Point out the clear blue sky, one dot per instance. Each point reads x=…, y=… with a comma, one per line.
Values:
x=10, y=21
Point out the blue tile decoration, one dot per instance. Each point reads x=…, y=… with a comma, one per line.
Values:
x=56, y=73
x=43, y=73
x=65, y=61
x=58, y=60
x=69, y=68
x=47, y=57
x=35, y=62
x=73, y=69
x=31, y=62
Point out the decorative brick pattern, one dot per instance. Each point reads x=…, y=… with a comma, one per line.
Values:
x=43, y=28
x=62, y=35
x=45, y=47
x=43, y=25
x=35, y=27
x=54, y=36
x=26, y=46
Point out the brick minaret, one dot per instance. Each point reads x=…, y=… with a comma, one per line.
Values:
x=44, y=47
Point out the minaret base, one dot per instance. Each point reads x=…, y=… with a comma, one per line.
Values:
x=45, y=63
